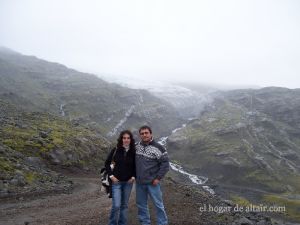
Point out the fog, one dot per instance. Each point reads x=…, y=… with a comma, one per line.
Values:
x=241, y=42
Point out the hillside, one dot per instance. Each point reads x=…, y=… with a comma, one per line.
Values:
x=34, y=143
x=54, y=118
x=37, y=85
x=246, y=140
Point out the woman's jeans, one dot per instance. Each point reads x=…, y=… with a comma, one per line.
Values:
x=142, y=192
x=120, y=197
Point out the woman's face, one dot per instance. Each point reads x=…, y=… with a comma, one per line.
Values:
x=126, y=139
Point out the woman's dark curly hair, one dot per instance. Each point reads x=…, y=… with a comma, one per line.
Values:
x=120, y=139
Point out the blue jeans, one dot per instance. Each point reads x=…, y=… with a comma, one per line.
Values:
x=142, y=192
x=120, y=197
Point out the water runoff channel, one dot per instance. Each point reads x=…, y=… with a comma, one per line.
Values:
x=195, y=179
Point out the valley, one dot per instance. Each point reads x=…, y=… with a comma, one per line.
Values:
x=226, y=147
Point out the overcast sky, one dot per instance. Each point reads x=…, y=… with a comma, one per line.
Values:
x=254, y=42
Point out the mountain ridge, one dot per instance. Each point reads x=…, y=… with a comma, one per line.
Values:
x=246, y=138
x=53, y=117
x=48, y=86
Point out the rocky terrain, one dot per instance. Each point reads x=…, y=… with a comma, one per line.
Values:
x=246, y=140
x=32, y=143
x=85, y=205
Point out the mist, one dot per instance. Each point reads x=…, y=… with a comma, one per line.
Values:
x=212, y=42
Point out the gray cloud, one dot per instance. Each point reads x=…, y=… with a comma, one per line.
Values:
x=230, y=42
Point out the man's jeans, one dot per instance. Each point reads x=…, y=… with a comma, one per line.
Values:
x=142, y=191
x=120, y=197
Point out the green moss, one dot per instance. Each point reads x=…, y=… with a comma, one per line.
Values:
x=9, y=142
x=58, y=141
x=50, y=146
x=294, y=181
x=240, y=200
x=6, y=166
x=292, y=206
x=30, y=177
x=32, y=144
x=24, y=136
x=222, y=218
x=68, y=163
x=264, y=179
x=176, y=162
x=82, y=162
x=43, y=149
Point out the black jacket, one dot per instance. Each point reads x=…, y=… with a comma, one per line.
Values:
x=124, y=167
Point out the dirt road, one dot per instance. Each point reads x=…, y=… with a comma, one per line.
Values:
x=86, y=205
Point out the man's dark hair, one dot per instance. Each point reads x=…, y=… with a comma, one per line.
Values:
x=145, y=127
x=120, y=139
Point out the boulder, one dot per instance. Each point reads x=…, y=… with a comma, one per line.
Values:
x=35, y=162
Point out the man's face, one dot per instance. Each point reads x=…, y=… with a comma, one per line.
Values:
x=145, y=135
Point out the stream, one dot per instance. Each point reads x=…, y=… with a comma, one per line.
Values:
x=195, y=179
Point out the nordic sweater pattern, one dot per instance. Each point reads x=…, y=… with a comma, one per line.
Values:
x=152, y=162
x=152, y=152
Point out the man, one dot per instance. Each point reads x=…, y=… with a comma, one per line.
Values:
x=152, y=163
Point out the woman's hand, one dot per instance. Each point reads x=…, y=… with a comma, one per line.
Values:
x=114, y=179
x=131, y=180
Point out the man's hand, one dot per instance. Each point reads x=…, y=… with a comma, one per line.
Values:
x=155, y=182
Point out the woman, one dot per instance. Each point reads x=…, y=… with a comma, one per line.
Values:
x=120, y=165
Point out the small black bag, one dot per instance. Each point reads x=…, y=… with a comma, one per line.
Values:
x=105, y=180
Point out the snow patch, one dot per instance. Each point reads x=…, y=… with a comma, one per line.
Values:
x=122, y=121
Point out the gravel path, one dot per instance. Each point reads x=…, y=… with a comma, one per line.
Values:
x=86, y=205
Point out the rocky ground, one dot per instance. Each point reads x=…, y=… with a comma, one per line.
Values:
x=86, y=205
